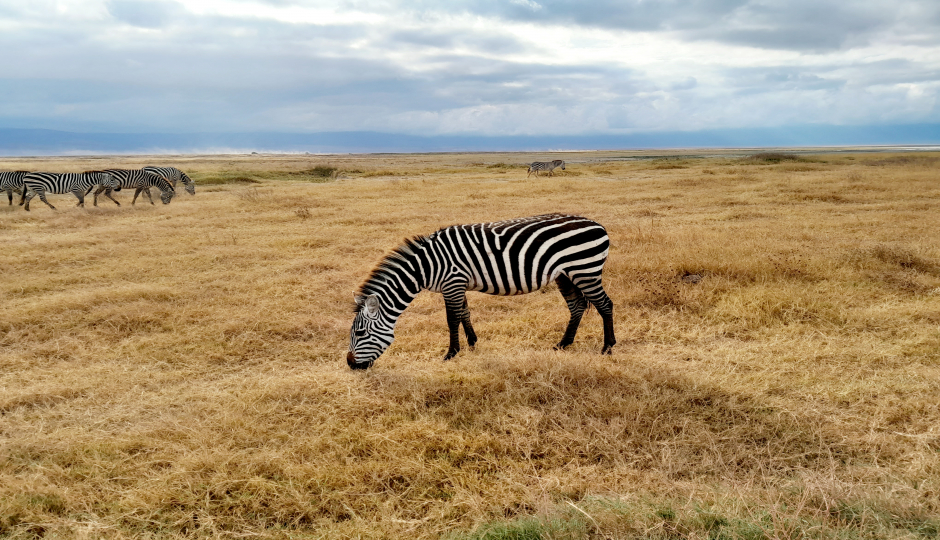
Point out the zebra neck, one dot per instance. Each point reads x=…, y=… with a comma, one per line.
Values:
x=398, y=279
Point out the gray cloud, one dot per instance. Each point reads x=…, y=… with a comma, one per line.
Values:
x=800, y=25
x=485, y=67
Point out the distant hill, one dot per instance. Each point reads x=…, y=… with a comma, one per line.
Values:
x=19, y=142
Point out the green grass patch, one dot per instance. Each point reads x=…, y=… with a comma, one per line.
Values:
x=648, y=520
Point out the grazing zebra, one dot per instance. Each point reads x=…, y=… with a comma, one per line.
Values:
x=139, y=180
x=549, y=166
x=504, y=258
x=174, y=175
x=40, y=183
x=13, y=181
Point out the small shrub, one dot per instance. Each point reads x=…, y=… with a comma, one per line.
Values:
x=253, y=194
x=322, y=171
x=383, y=172
x=223, y=179
x=774, y=157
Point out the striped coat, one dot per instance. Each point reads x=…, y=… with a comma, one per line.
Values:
x=138, y=180
x=510, y=257
x=174, y=175
x=78, y=184
x=549, y=166
x=11, y=181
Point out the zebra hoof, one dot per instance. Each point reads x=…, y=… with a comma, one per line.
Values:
x=561, y=346
x=449, y=355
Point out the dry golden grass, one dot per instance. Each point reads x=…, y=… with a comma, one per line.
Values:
x=178, y=371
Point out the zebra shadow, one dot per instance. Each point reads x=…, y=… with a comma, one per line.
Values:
x=558, y=410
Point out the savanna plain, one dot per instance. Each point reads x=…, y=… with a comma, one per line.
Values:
x=179, y=371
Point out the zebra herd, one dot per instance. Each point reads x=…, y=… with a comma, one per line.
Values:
x=31, y=184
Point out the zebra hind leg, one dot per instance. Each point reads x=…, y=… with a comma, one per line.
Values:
x=467, y=327
x=576, y=305
x=594, y=291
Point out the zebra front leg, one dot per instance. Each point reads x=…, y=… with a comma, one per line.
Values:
x=455, y=301
x=42, y=197
x=576, y=306
x=136, y=193
x=10, y=196
x=81, y=197
x=107, y=193
x=22, y=196
x=147, y=192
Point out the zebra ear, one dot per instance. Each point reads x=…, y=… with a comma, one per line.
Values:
x=360, y=299
x=372, y=304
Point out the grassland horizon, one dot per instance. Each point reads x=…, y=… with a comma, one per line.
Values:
x=178, y=371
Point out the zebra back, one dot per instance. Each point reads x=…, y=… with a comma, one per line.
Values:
x=59, y=183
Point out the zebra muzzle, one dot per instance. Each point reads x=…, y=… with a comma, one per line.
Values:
x=351, y=361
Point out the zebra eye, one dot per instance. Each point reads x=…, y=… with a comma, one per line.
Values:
x=360, y=332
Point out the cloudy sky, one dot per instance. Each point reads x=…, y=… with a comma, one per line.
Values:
x=466, y=67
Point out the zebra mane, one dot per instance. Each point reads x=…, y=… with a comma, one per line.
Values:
x=403, y=252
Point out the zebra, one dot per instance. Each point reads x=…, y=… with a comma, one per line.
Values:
x=140, y=180
x=174, y=175
x=40, y=183
x=11, y=181
x=549, y=166
x=516, y=256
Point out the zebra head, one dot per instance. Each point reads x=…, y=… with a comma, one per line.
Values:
x=167, y=196
x=371, y=332
x=559, y=163
x=107, y=180
x=188, y=182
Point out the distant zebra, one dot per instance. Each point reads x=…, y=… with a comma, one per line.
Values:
x=139, y=180
x=11, y=181
x=40, y=183
x=549, y=166
x=174, y=175
x=504, y=258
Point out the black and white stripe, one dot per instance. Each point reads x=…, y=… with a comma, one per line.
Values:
x=511, y=257
x=549, y=166
x=174, y=175
x=138, y=180
x=11, y=181
x=40, y=183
